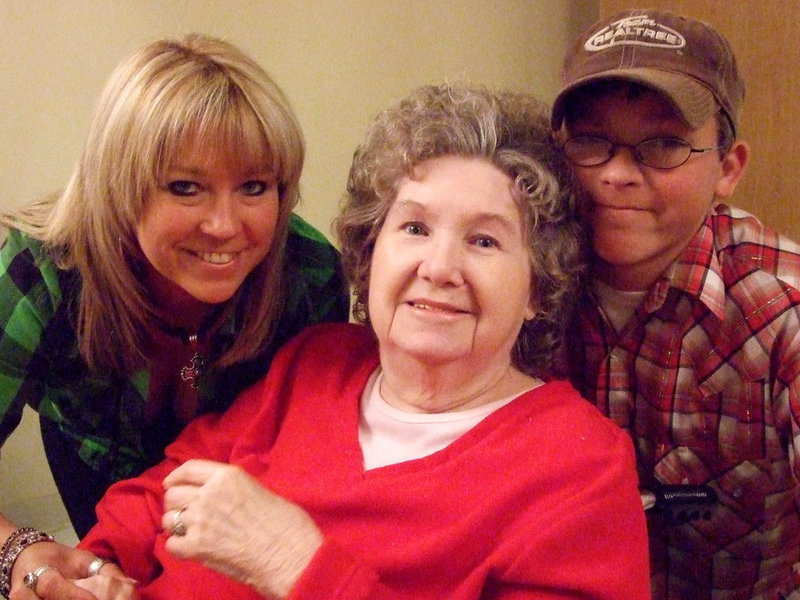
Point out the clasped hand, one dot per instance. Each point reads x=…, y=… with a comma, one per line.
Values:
x=67, y=579
x=223, y=517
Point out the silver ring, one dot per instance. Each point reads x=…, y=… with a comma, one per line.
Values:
x=178, y=528
x=95, y=566
x=31, y=579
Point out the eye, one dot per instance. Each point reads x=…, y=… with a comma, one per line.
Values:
x=414, y=229
x=484, y=241
x=254, y=188
x=182, y=187
x=665, y=144
x=587, y=150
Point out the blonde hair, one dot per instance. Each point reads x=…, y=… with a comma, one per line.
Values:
x=512, y=132
x=167, y=93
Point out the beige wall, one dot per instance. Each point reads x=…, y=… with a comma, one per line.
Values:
x=338, y=61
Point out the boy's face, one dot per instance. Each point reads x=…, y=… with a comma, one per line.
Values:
x=643, y=217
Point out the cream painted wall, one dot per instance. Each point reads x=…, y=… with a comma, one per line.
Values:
x=339, y=62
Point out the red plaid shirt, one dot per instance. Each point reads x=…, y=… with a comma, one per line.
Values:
x=706, y=378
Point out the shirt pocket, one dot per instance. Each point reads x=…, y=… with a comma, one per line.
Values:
x=724, y=427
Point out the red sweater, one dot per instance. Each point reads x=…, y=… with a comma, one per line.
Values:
x=539, y=500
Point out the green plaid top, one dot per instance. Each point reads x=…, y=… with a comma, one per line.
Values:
x=102, y=413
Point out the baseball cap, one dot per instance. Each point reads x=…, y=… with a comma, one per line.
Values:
x=686, y=60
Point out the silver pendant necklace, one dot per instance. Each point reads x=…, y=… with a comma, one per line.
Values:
x=191, y=373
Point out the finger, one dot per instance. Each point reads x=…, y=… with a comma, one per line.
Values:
x=178, y=496
x=173, y=520
x=193, y=472
x=109, y=587
x=105, y=568
x=113, y=570
x=52, y=585
x=79, y=562
x=66, y=562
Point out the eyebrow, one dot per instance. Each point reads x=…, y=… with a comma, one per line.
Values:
x=479, y=218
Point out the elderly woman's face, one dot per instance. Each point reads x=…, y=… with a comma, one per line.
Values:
x=207, y=226
x=450, y=274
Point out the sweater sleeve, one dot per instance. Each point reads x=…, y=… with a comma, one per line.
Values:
x=129, y=515
x=595, y=545
x=335, y=574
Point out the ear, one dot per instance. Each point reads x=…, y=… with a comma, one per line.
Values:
x=530, y=311
x=733, y=167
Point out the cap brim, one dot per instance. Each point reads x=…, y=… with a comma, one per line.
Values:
x=693, y=101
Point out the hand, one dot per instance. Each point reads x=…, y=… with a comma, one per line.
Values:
x=237, y=527
x=58, y=583
x=110, y=584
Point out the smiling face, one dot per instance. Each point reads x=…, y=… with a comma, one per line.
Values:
x=450, y=276
x=642, y=217
x=206, y=226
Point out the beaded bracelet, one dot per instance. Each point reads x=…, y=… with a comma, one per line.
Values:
x=14, y=545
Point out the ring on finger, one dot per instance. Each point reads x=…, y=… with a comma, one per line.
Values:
x=31, y=580
x=96, y=565
x=178, y=527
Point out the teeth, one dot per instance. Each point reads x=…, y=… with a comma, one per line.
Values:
x=217, y=258
x=429, y=307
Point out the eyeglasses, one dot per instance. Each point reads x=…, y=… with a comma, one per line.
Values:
x=659, y=153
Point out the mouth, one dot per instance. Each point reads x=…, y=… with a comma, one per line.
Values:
x=614, y=207
x=216, y=258
x=436, y=307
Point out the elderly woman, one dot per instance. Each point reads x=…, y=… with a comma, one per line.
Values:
x=428, y=453
x=159, y=284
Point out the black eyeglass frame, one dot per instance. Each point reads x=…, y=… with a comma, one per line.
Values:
x=637, y=156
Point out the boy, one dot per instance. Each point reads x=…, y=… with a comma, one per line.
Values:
x=688, y=335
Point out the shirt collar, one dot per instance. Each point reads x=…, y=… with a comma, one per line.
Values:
x=697, y=272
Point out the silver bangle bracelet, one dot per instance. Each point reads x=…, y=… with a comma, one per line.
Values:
x=13, y=546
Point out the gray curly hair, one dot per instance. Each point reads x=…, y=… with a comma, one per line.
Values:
x=512, y=132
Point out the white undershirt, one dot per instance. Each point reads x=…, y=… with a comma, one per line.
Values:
x=618, y=305
x=388, y=435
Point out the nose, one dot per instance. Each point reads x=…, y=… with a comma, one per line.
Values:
x=442, y=262
x=622, y=168
x=221, y=219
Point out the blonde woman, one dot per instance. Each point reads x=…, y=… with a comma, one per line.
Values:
x=161, y=281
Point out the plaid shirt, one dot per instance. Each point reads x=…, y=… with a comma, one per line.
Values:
x=102, y=413
x=705, y=376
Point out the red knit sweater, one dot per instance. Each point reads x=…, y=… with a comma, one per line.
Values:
x=538, y=501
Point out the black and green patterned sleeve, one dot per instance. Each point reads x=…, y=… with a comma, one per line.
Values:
x=29, y=294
